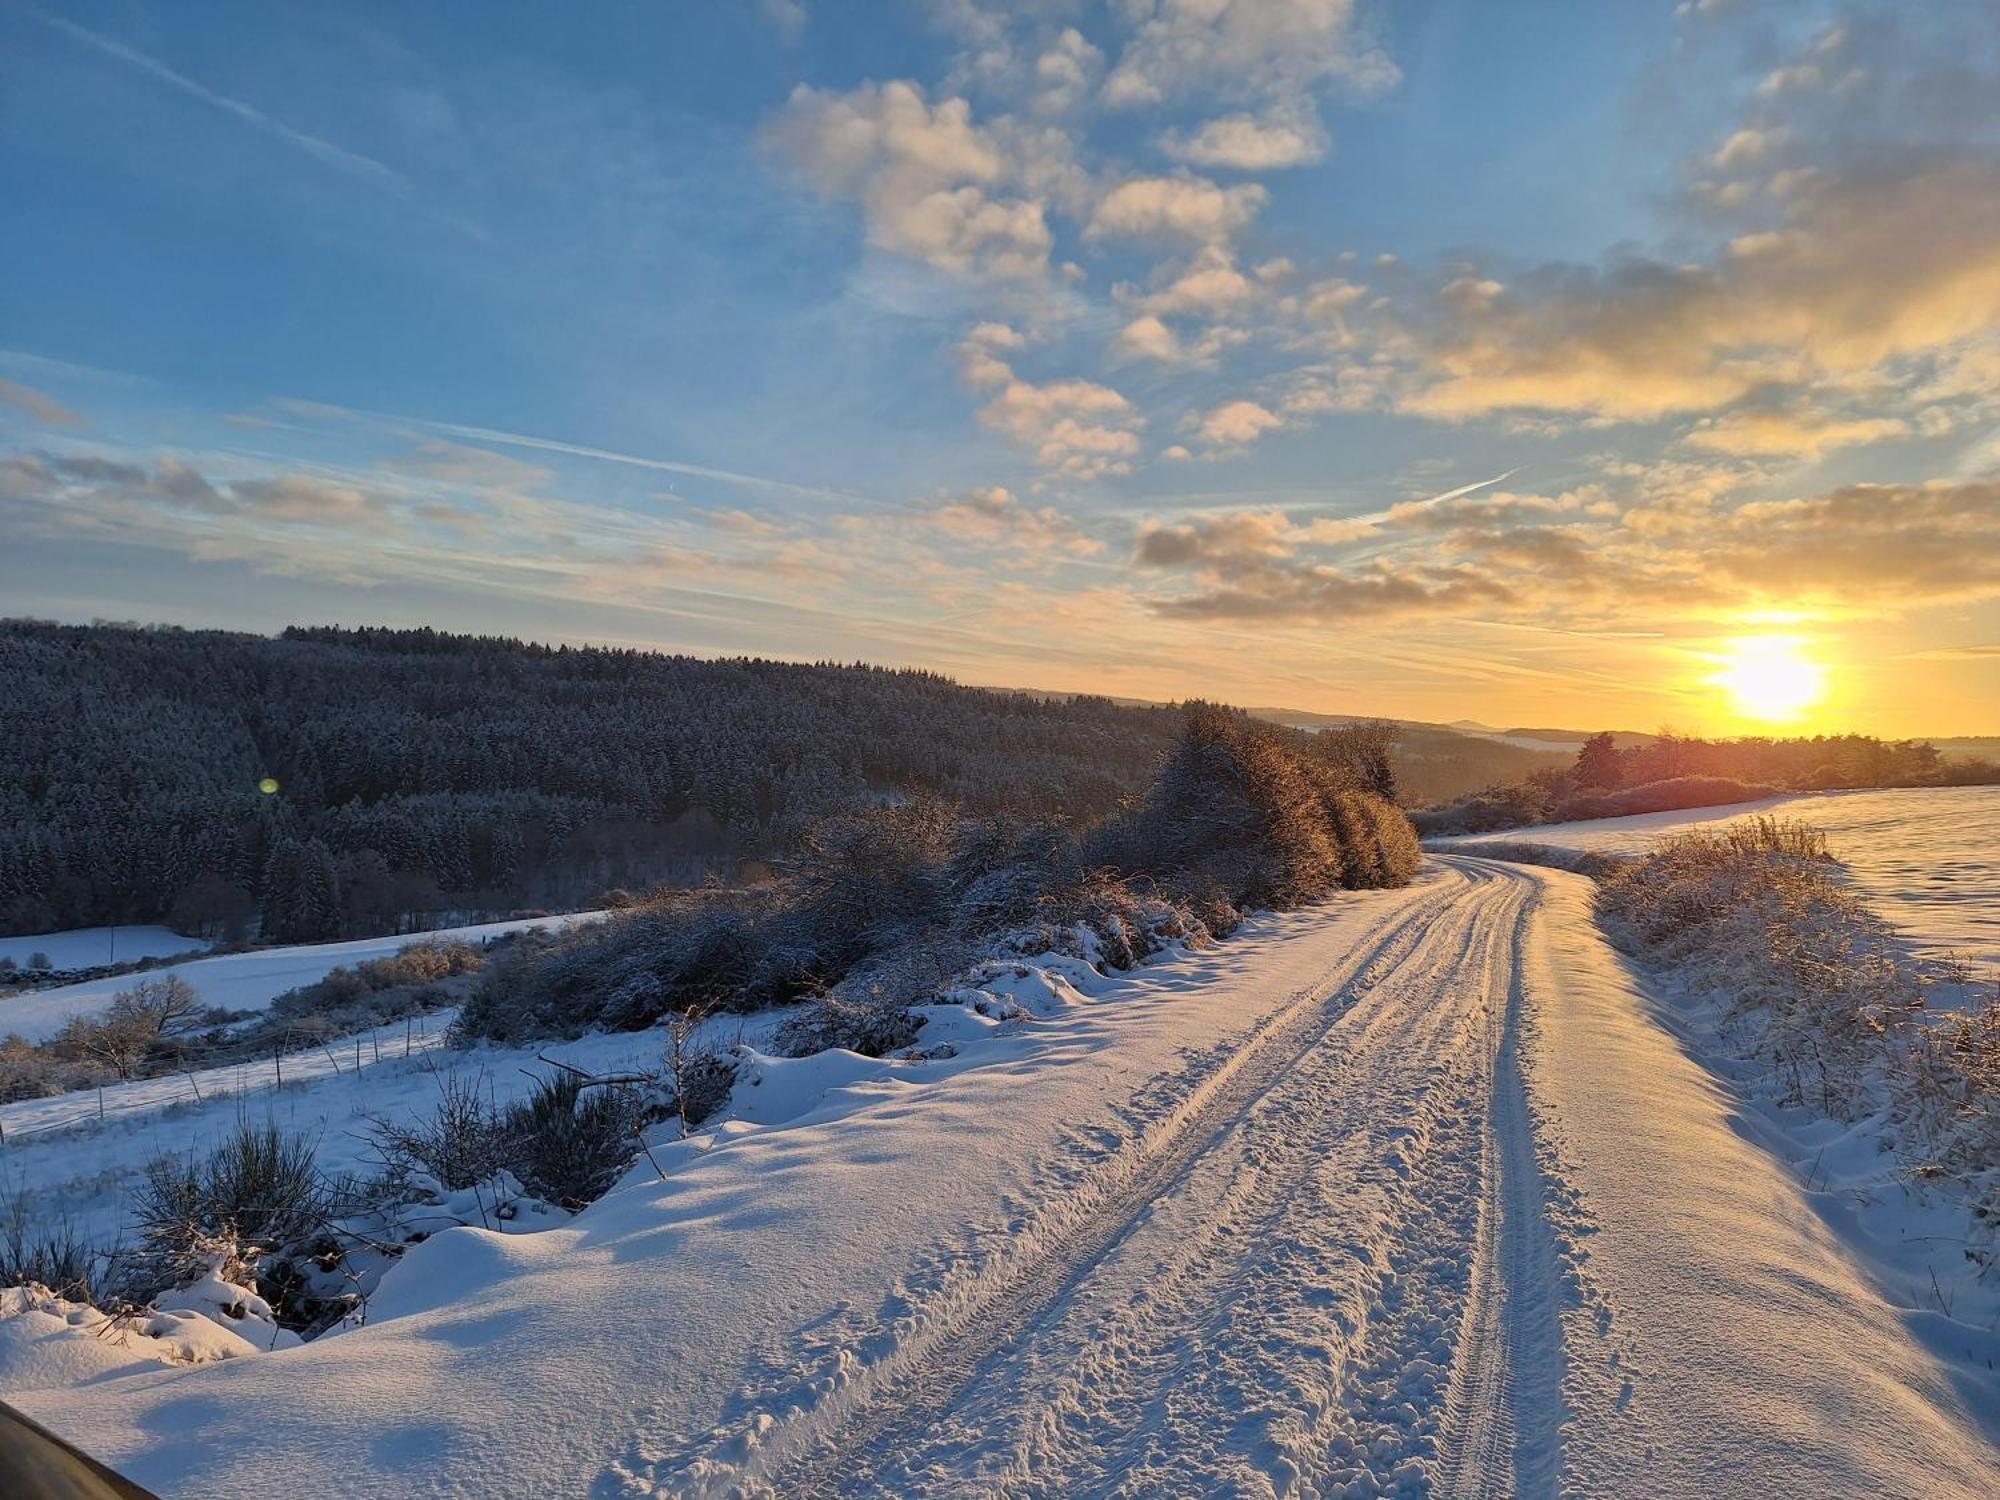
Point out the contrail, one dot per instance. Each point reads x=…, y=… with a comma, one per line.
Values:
x=577, y=450
x=352, y=163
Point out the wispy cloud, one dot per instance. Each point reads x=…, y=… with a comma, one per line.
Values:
x=352, y=164
x=44, y=409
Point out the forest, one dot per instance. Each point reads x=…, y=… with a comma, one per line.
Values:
x=333, y=782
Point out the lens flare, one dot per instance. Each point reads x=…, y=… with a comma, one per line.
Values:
x=1770, y=678
x=268, y=785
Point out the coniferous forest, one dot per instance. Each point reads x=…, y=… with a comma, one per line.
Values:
x=334, y=782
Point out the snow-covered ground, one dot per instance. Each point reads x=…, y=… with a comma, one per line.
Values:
x=240, y=981
x=1928, y=859
x=86, y=947
x=1411, y=1193
x=80, y=1169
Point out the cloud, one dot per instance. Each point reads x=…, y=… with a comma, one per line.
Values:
x=1799, y=433
x=1225, y=544
x=1148, y=338
x=786, y=17
x=1236, y=424
x=1850, y=284
x=1076, y=427
x=1065, y=73
x=933, y=186
x=1249, y=143
x=992, y=515
x=1855, y=551
x=1182, y=207
x=1210, y=285
x=1376, y=592
x=44, y=409
x=480, y=468
x=1272, y=48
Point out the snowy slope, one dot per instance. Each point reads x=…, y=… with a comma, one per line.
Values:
x=239, y=981
x=1408, y=1194
x=83, y=947
x=1928, y=860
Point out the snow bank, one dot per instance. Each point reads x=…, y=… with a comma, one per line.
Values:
x=241, y=981
x=48, y=1342
x=1728, y=1330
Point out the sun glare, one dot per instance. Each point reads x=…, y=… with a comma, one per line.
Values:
x=1770, y=678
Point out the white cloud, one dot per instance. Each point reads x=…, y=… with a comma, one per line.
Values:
x=1183, y=207
x=1249, y=143
x=1234, y=424
x=933, y=185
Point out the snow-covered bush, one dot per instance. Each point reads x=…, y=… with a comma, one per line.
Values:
x=1247, y=807
x=565, y=1144
x=874, y=1028
x=457, y=1144
x=255, y=1213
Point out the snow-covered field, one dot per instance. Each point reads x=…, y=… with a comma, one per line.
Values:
x=85, y=947
x=1927, y=859
x=239, y=981
x=1412, y=1193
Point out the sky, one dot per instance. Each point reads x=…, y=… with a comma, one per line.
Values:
x=1566, y=364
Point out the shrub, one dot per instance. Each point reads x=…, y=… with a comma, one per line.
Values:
x=259, y=1196
x=568, y=1142
x=152, y=1018
x=1242, y=806
x=873, y=1028
x=57, y=1259
x=459, y=1143
x=1819, y=991
x=39, y=960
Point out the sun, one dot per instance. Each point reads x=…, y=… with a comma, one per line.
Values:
x=1770, y=678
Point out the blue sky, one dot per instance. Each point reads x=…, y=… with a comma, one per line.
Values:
x=1053, y=344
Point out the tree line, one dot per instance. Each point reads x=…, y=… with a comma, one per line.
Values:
x=332, y=782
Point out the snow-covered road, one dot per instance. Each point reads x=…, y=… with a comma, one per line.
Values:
x=1409, y=1194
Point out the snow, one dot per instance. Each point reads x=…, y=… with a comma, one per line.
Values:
x=1415, y=1192
x=1927, y=859
x=86, y=947
x=241, y=981
x=46, y=1341
x=81, y=1172
x=1724, y=1334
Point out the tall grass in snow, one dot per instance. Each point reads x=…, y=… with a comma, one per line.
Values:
x=1819, y=989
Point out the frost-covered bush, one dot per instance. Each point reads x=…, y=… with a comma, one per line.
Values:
x=879, y=907
x=1819, y=990
x=1671, y=795
x=1248, y=808
x=874, y=1028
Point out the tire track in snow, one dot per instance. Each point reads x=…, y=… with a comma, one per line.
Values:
x=1278, y=1298
x=1504, y=1407
x=802, y=1453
